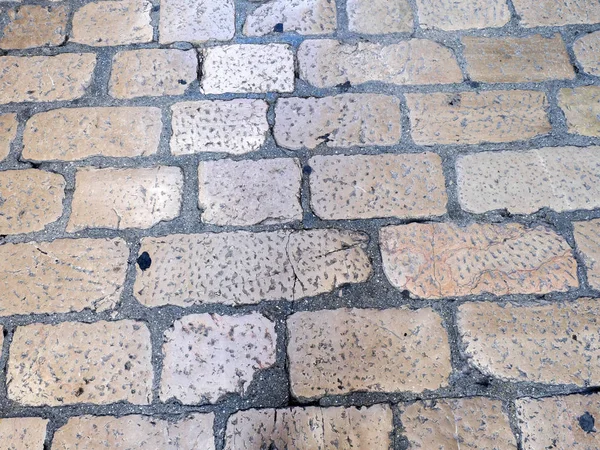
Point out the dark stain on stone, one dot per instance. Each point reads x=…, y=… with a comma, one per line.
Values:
x=586, y=422
x=182, y=81
x=307, y=170
x=144, y=261
x=344, y=86
x=278, y=28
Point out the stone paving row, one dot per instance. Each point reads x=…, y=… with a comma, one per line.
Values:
x=300, y=224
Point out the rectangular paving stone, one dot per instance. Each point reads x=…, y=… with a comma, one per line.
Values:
x=541, y=13
x=587, y=52
x=477, y=117
x=8, y=132
x=196, y=21
x=72, y=362
x=379, y=16
x=344, y=120
x=451, y=15
x=23, y=433
x=31, y=26
x=71, y=134
x=581, y=106
x=297, y=16
x=366, y=187
x=444, y=260
x=587, y=238
x=337, y=352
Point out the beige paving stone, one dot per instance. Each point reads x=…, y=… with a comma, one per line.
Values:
x=125, y=198
x=45, y=78
x=327, y=63
x=477, y=117
x=462, y=14
x=379, y=16
x=72, y=362
x=567, y=422
x=32, y=26
x=366, y=428
x=23, y=433
x=340, y=351
x=113, y=23
x=30, y=199
x=299, y=16
x=587, y=238
x=196, y=21
x=230, y=126
x=445, y=260
x=344, y=120
x=8, y=132
x=70, y=134
x=245, y=268
x=365, y=186
x=540, y=13
x=463, y=423
x=523, y=182
x=247, y=68
x=266, y=191
x=581, y=106
x=193, y=432
x=587, y=52
x=516, y=60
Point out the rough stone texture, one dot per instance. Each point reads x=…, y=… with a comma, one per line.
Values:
x=1, y=336
x=366, y=428
x=557, y=422
x=379, y=16
x=340, y=121
x=587, y=51
x=299, y=16
x=196, y=21
x=30, y=199
x=32, y=26
x=113, y=23
x=523, y=182
x=125, y=198
x=328, y=63
x=245, y=268
x=587, y=238
x=365, y=186
x=247, y=68
x=451, y=15
x=445, y=260
x=70, y=134
x=581, y=106
x=340, y=351
x=8, y=132
x=266, y=191
x=193, y=432
x=45, y=78
x=73, y=362
x=477, y=117
x=236, y=126
x=534, y=13
x=208, y=356
x=516, y=60
x=23, y=433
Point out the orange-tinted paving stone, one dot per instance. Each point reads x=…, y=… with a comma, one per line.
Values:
x=32, y=26
x=587, y=238
x=8, y=132
x=23, y=433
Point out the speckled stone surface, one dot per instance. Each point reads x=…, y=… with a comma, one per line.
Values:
x=32, y=26
x=539, y=13
x=196, y=21
x=451, y=15
x=587, y=238
x=8, y=132
x=587, y=52
x=379, y=16
x=298, y=16
x=23, y=433
x=581, y=106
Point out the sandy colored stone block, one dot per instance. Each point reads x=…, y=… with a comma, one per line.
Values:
x=344, y=120
x=71, y=134
x=541, y=13
x=587, y=238
x=587, y=52
x=581, y=106
x=451, y=15
x=266, y=191
x=245, y=268
x=517, y=60
x=328, y=63
x=336, y=352
x=8, y=132
x=445, y=260
x=477, y=117
x=298, y=16
x=229, y=126
x=23, y=433
x=30, y=199
x=366, y=428
x=125, y=198
x=370, y=186
x=32, y=26
x=45, y=78
x=379, y=16
x=73, y=362
x=113, y=23
x=196, y=21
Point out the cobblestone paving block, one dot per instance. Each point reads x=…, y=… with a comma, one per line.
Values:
x=328, y=63
x=379, y=16
x=513, y=181
x=247, y=68
x=587, y=52
x=196, y=21
x=340, y=351
x=365, y=187
x=341, y=121
x=541, y=13
x=451, y=15
x=477, y=117
x=587, y=238
x=69, y=274
x=23, y=433
x=45, y=78
x=32, y=26
x=208, y=356
x=445, y=260
x=30, y=199
x=236, y=126
x=245, y=268
x=8, y=132
x=125, y=198
x=152, y=72
x=299, y=16
x=70, y=134
x=581, y=106
x=367, y=428
x=72, y=362
x=266, y=191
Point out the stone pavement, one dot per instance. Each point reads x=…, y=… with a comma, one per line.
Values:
x=300, y=224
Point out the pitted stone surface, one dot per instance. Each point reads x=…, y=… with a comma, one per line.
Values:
x=196, y=21
x=299, y=16
x=23, y=433
x=8, y=132
x=342, y=121
x=209, y=355
x=32, y=26
x=266, y=191
x=540, y=13
x=340, y=351
x=445, y=260
x=73, y=362
x=451, y=15
x=379, y=16
x=587, y=238
x=581, y=106
x=587, y=52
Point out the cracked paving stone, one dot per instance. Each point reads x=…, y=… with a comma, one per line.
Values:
x=541, y=13
x=450, y=15
x=587, y=238
x=587, y=52
x=23, y=433
x=581, y=106
x=196, y=21
x=379, y=16
x=31, y=26
x=8, y=132
x=298, y=16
